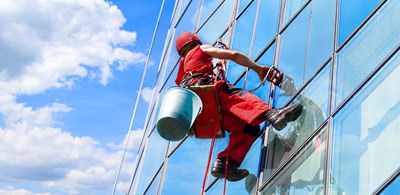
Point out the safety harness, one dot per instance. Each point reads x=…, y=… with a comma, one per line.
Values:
x=199, y=78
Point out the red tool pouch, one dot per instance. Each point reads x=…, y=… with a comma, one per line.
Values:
x=209, y=123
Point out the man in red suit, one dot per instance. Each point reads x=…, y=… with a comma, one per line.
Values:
x=242, y=112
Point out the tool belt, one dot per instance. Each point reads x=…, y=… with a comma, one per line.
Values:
x=197, y=79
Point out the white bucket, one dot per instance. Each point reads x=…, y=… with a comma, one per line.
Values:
x=179, y=109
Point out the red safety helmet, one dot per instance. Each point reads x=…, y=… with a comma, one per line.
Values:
x=185, y=38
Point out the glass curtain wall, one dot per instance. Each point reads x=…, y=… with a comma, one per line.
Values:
x=341, y=62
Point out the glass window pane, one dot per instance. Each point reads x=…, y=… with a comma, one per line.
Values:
x=185, y=3
x=168, y=63
x=294, y=46
x=186, y=24
x=243, y=4
x=352, y=13
x=321, y=35
x=305, y=174
x=291, y=8
x=308, y=41
x=392, y=188
x=366, y=50
x=180, y=8
x=366, y=132
x=247, y=185
x=253, y=81
x=155, y=154
x=267, y=25
x=186, y=167
x=315, y=101
x=155, y=57
x=154, y=186
x=208, y=7
x=242, y=39
x=220, y=20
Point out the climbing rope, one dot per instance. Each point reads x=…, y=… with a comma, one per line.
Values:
x=220, y=73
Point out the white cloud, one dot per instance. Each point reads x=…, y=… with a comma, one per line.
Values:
x=147, y=94
x=17, y=113
x=47, y=44
x=134, y=140
x=10, y=190
x=32, y=150
x=51, y=44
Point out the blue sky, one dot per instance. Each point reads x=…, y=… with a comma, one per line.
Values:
x=69, y=77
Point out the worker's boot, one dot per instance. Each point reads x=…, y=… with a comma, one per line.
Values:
x=233, y=173
x=279, y=118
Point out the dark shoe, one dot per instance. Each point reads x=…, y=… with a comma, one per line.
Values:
x=233, y=174
x=279, y=118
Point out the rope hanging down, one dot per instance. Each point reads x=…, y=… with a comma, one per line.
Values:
x=220, y=73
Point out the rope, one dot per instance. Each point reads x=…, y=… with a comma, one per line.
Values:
x=228, y=36
x=209, y=162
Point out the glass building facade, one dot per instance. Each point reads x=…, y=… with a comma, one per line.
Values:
x=341, y=59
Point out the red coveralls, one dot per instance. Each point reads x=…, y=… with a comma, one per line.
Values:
x=242, y=112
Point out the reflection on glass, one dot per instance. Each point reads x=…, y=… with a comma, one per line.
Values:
x=308, y=41
x=243, y=4
x=294, y=46
x=186, y=167
x=173, y=59
x=153, y=189
x=186, y=24
x=139, y=119
x=315, y=101
x=242, y=39
x=366, y=50
x=267, y=25
x=253, y=81
x=216, y=25
x=155, y=57
x=207, y=8
x=188, y=20
x=153, y=157
x=185, y=3
x=247, y=185
x=392, y=188
x=291, y=8
x=352, y=13
x=366, y=132
x=305, y=174
x=154, y=115
x=321, y=35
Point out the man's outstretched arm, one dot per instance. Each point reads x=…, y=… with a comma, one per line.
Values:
x=237, y=57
